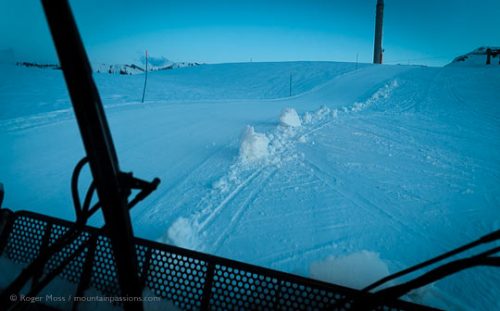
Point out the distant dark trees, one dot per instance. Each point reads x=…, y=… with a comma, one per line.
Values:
x=36, y=65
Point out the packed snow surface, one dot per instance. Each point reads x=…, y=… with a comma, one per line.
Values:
x=391, y=165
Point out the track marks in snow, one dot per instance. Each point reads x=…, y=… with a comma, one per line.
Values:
x=241, y=209
x=212, y=213
x=219, y=209
x=173, y=197
x=233, y=194
x=357, y=200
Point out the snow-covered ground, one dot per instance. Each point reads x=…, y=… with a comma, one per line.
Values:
x=368, y=170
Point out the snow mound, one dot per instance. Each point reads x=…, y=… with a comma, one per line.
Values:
x=254, y=146
x=290, y=118
x=322, y=114
x=356, y=270
x=182, y=233
x=307, y=118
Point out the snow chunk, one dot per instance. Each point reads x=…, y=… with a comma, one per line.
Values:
x=254, y=146
x=307, y=118
x=322, y=112
x=335, y=113
x=220, y=184
x=357, y=107
x=356, y=270
x=183, y=234
x=290, y=118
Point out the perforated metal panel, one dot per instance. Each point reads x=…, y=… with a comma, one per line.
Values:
x=190, y=280
x=73, y=270
x=177, y=278
x=247, y=290
x=26, y=239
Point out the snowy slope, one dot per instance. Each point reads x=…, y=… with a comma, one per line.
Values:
x=390, y=164
x=38, y=94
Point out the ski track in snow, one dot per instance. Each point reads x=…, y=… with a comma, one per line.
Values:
x=239, y=212
x=213, y=212
x=241, y=178
x=163, y=194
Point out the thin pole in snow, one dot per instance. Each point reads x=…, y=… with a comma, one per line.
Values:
x=145, y=78
x=290, y=84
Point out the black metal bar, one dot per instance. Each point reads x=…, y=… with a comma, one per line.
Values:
x=37, y=264
x=47, y=251
x=97, y=142
x=277, y=296
x=56, y=271
x=2, y=193
x=6, y=222
x=493, y=236
x=45, y=243
x=392, y=293
x=86, y=274
x=207, y=288
x=145, y=267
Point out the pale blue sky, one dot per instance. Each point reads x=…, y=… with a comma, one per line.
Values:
x=419, y=32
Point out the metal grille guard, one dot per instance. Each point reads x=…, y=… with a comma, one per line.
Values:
x=190, y=280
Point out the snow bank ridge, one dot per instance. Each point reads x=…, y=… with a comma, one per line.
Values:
x=381, y=94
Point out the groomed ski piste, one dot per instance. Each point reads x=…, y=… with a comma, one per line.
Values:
x=364, y=170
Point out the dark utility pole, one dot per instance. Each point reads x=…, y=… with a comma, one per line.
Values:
x=379, y=20
x=488, y=56
x=98, y=145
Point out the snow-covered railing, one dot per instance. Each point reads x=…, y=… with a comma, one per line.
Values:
x=191, y=280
